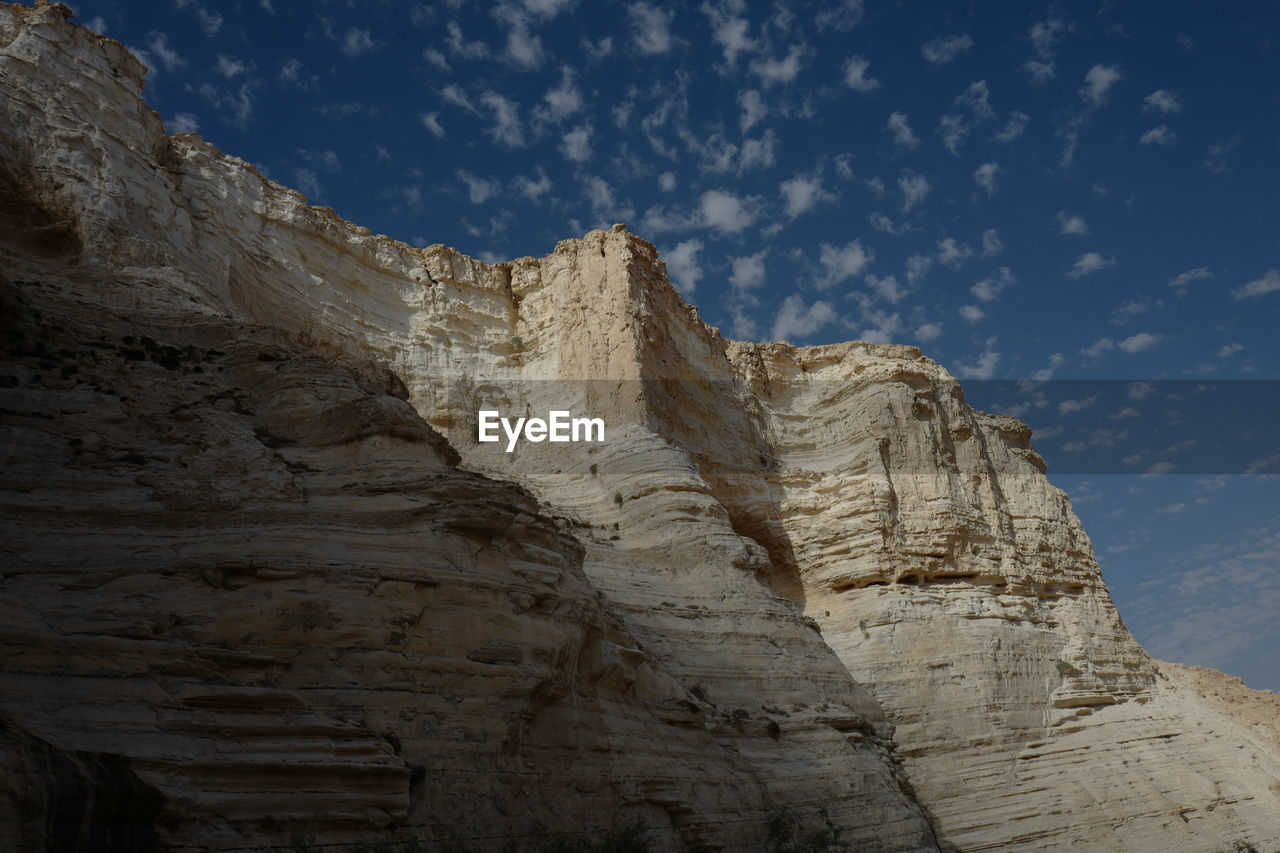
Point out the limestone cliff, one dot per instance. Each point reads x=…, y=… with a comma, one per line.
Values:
x=261, y=584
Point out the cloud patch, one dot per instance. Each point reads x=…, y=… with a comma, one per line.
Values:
x=945, y=49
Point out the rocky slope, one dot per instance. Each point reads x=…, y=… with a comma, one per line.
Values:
x=261, y=584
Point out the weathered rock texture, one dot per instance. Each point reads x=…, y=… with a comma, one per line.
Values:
x=261, y=584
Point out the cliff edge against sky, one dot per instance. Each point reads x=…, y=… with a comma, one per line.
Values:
x=262, y=584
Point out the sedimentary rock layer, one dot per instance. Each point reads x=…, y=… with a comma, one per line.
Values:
x=261, y=581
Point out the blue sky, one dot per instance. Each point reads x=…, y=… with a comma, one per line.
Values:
x=1026, y=191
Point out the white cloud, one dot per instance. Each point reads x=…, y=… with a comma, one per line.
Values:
x=506, y=120
x=729, y=29
x=725, y=212
x=914, y=188
x=855, y=75
x=667, y=182
x=657, y=220
x=985, y=177
x=1090, y=262
x=1161, y=135
x=357, y=42
x=1140, y=342
x=887, y=288
x=412, y=195
x=988, y=289
x=236, y=107
x=291, y=71
x=1129, y=309
x=1039, y=71
x=460, y=47
x=1141, y=390
x=944, y=49
x=1067, y=407
x=436, y=58
x=1071, y=224
x=1269, y=283
x=1044, y=36
x=576, y=144
x=772, y=71
x=918, y=267
x=880, y=222
x=650, y=27
x=564, y=100
x=184, y=123
x=977, y=98
x=841, y=16
x=902, y=134
x=683, y=264
x=753, y=109
x=991, y=245
x=842, y=262
x=230, y=66
x=717, y=153
x=984, y=367
x=308, y=183
x=1014, y=128
x=796, y=320
x=158, y=45
x=532, y=189
x=1173, y=509
x=1044, y=374
x=454, y=95
x=758, y=153
x=883, y=329
x=1162, y=101
x=524, y=48
x=1181, y=280
x=210, y=22
x=432, y=123
x=1098, y=81
x=598, y=49
x=326, y=160
x=929, y=332
x=478, y=189
x=953, y=129
x=547, y=8
x=953, y=253
x=748, y=271
x=803, y=193
x=972, y=313
x=604, y=205
x=1218, y=157
x=1097, y=348
x=1230, y=350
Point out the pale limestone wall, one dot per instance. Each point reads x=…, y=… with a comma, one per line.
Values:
x=827, y=539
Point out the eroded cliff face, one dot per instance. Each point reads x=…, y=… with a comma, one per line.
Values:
x=261, y=581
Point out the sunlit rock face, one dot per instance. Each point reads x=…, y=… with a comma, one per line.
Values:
x=262, y=585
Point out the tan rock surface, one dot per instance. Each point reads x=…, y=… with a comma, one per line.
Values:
x=268, y=595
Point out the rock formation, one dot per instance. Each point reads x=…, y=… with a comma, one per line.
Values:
x=262, y=586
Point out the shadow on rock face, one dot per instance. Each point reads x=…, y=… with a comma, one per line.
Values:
x=35, y=226
x=53, y=799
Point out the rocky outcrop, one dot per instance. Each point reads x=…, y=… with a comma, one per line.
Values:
x=257, y=566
